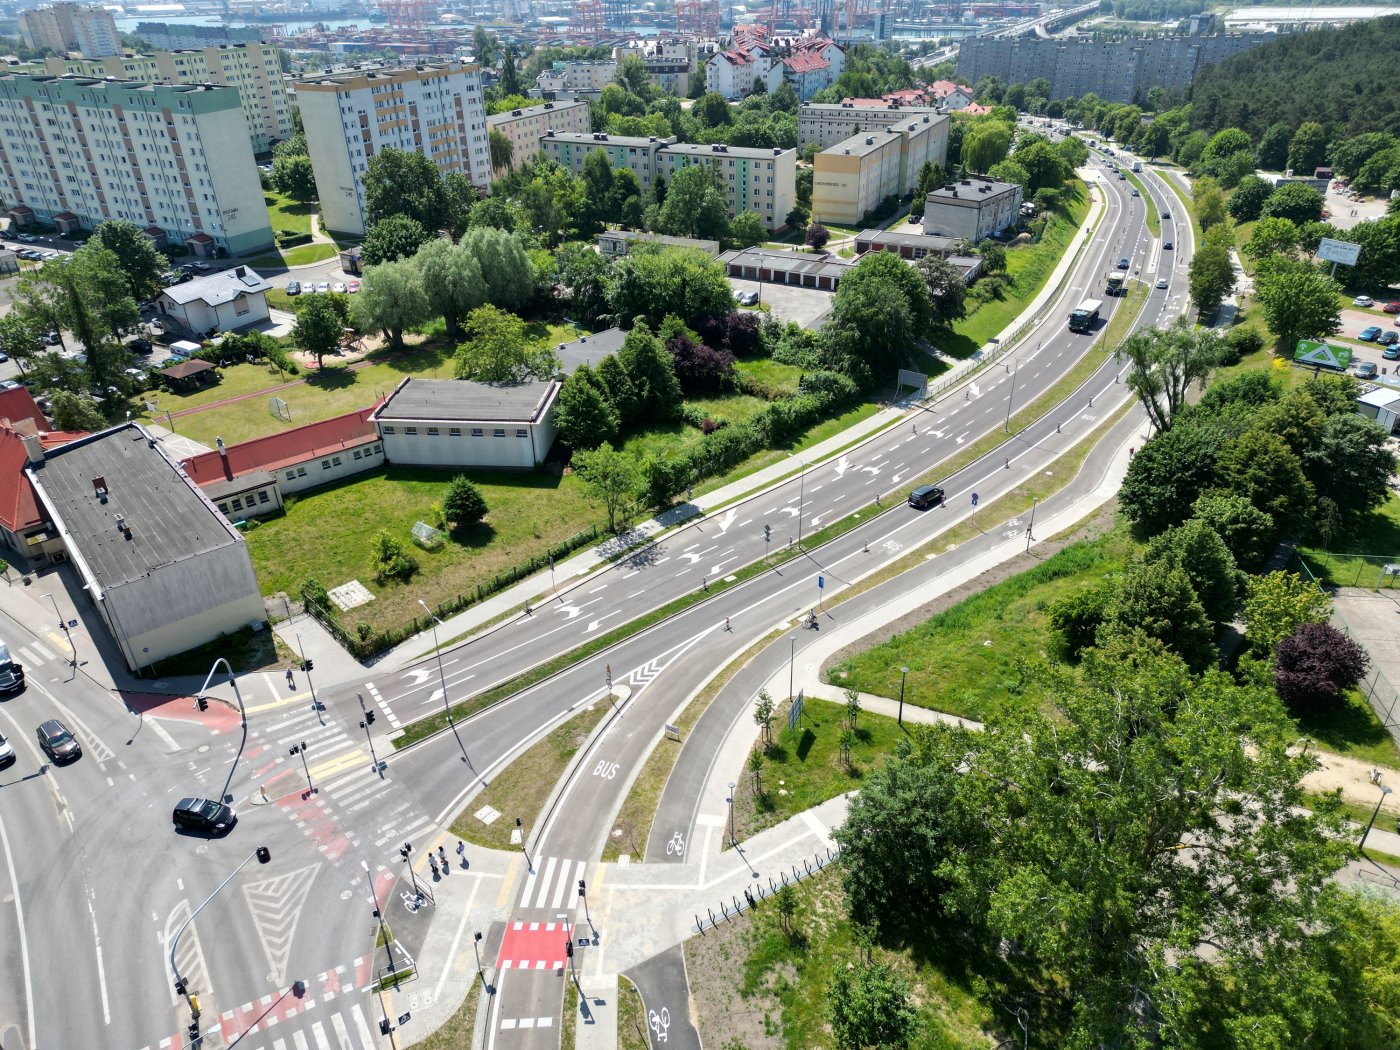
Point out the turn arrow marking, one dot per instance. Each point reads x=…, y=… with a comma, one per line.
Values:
x=842, y=465
x=727, y=521
x=419, y=675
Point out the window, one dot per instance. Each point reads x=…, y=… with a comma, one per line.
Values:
x=358, y=454
x=411, y=431
x=499, y=432
x=237, y=504
x=478, y=432
x=291, y=475
x=301, y=472
x=223, y=509
x=325, y=464
x=377, y=449
x=335, y=461
x=263, y=497
x=432, y=432
x=454, y=432
x=521, y=433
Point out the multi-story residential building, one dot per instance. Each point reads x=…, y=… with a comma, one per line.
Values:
x=763, y=181
x=90, y=31
x=434, y=109
x=808, y=63
x=851, y=178
x=668, y=62
x=734, y=73
x=972, y=209
x=171, y=36
x=254, y=69
x=174, y=159
x=813, y=64
x=1116, y=71
x=524, y=128
x=575, y=80
x=827, y=123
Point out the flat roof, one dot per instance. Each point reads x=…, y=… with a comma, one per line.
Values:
x=589, y=350
x=529, y=111
x=601, y=139
x=971, y=192
x=718, y=150
x=462, y=401
x=860, y=145
x=778, y=260
x=168, y=519
x=916, y=240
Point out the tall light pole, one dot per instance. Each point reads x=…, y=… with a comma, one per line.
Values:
x=903, y=675
x=480, y=972
x=63, y=624
x=378, y=915
x=1385, y=790
x=801, y=500
x=1030, y=529
x=730, y=800
x=242, y=714
x=524, y=846
x=1016, y=366
x=792, y=655
x=442, y=678
x=306, y=666
x=182, y=986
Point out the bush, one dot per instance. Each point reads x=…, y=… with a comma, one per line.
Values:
x=1240, y=342
x=291, y=238
x=388, y=559
x=463, y=505
x=1315, y=663
x=1074, y=621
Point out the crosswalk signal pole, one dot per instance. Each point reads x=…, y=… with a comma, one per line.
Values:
x=306, y=666
x=365, y=723
x=524, y=846
x=583, y=895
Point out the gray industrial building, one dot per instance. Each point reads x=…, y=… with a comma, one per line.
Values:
x=1117, y=71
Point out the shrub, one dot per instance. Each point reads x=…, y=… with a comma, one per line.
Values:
x=1240, y=342
x=1075, y=620
x=1315, y=663
x=389, y=560
x=463, y=504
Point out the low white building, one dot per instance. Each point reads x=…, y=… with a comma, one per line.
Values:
x=974, y=209
x=1381, y=403
x=221, y=302
x=456, y=423
x=735, y=72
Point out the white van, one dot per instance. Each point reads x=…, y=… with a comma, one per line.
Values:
x=184, y=349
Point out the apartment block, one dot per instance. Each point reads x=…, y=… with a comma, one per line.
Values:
x=827, y=123
x=434, y=109
x=763, y=181
x=90, y=31
x=851, y=178
x=972, y=209
x=254, y=69
x=638, y=155
x=668, y=62
x=575, y=79
x=174, y=159
x=174, y=36
x=524, y=128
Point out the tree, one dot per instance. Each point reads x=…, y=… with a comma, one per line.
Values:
x=711, y=110
x=463, y=504
x=20, y=337
x=1247, y=532
x=510, y=77
x=1045, y=166
x=1297, y=301
x=609, y=476
x=694, y=205
x=87, y=294
x=700, y=368
x=870, y=1008
x=294, y=177
x=1314, y=664
x=1209, y=202
x=1277, y=604
x=393, y=237
x=389, y=560
x=504, y=266
x=985, y=142
x=993, y=257
x=817, y=236
x=1226, y=143
x=946, y=290
x=1198, y=551
x=1163, y=363
x=1294, y=201
x=1155, y=599
x=318, y=326
x=495, y=350
x=135, y=254
x=1272, y=236
x=452, y=281
x=583, y=275
x=1010, y=171
x=1273, y=147
x=1075, y=620
x=1349, y=464
x=880, y=311
x=74, y=412
x=747, y=229
x=1166, y=476
x=1264, y=470
x=403, y=183
x=1308, y=149
x=1211, y=277
x=502, y=152
x=653, y=283
x=655, y=392
x=1379, y=262
x=763, y=717
x=1248, y=199
x=392, y=300
x=583, y=415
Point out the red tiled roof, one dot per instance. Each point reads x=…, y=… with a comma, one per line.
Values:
x=976, y=110
x=18, y=403
x=19, y=507
x=279, y=450
x=803, y=62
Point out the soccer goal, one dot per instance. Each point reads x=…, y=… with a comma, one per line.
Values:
x=277, y=407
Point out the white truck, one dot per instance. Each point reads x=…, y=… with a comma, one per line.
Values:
x=1137, y=165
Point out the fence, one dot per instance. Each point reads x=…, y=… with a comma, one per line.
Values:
x=1376, y=572
x=753, y=898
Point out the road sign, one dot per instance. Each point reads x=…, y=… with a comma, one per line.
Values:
x=674, y=732
x=1336, y=251
x=1310, y=352
x=821, y=582
x=795, y=711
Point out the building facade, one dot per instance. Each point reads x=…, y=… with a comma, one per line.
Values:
x=173, y=36
x=456, y=423
x=90, y=31
x=221, y=302
x=735, y=72
x=574, y=80
x=254, y=69
x=638, y=155
x=813, y=64
x=825, y=124
x=972, y=209
x=763, y=181
x=524, y=128
x=668, y=62
x=173, y=158
x=1116, y=71
x=851, y=178
x=434, y=109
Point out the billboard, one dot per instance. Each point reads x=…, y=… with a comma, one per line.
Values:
x=1343, y=252
x=1309, y=352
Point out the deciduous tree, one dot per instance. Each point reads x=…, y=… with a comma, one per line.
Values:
x=870, y=1007
x=610, y=477
x=294, y=177
x=495, y=349
x=1163, y=363
x=393, y=237
x=135, y=254
x=946, y=290
x=452, y=281
x=403, y=183
x=694, y=205
x=1297, y=301
x=392, y=300
x=1295, y=201
x=1277, y=604
x=318, y=326
x=1314, y=664
x=503, y=263
x=584, y=417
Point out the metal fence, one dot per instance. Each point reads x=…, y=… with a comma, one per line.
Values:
x=1376, y=572
x=734, y=907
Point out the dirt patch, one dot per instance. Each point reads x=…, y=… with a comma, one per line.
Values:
x=1092, y=528
x=713, y=963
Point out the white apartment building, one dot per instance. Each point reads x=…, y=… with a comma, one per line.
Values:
x=734, y=73
x=575, y=79
x=827, y=123
x=668, y=62
x=254, y=69
x=763, y=181
x=972, y=209
x=638, y=155
x=174, y=159
x=435, y=109
x=90, y=31
x=524, y=128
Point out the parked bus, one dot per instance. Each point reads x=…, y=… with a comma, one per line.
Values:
x=1085, y=315
x=1116, y=285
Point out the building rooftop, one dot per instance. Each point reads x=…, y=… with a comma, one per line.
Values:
x=602, y=138
x=529, y=111
x=779, y=260
x=970, y=192
x=462, y=401
x=917, y=240
x=358, y=77
x=589, y=350
x=217, y=288
x=185, y=369
x=660, y=238
x=19, y=416
x=127, y=508
x=275, y=451
x=728, y=151
x=860, y=145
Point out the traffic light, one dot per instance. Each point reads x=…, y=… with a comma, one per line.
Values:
x=384, y=1026
x=181, y=985
x=298, y=988
x=369, y=718
x=767, y=533
x=307, y=666
x=202, y=703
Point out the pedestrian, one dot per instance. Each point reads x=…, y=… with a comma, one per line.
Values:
x=432, y=863
x=1131, y=450
x=915, y=428
x=1091, y=402
x=462, y=852
x=877, y=499
x=442, y=859
x=705, y=582
x=967, y=395
x=726, y=623
x=291, y=682
x=1007, y=464
x=1057, y=428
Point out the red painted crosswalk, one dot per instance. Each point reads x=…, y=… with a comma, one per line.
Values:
x=535, y=946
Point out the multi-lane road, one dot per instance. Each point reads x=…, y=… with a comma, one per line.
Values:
x=94, y=881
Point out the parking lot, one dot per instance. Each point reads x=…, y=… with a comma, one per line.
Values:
x=805, y=306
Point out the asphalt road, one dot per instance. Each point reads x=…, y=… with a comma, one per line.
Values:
x=665, y=992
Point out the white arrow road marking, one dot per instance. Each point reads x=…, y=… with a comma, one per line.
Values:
x=569, y=611
x=963, y=436
x=895, y=480
x=871, y=470
x=817, y=520
x=692, y=558
x=976, y=390
x=593, y=624
x=727, y=521
x=419, y=675
x=790, y=510
x=842, y=465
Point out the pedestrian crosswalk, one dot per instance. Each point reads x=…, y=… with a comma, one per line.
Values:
x=553, y=884
x=349, y=1029
x=32, y=654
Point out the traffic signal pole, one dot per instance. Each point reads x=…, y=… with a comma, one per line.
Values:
x=365, y=723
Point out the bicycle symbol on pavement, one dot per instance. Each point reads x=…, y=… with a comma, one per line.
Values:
x=412, y=901
x=676, y=847
x=660, y=1023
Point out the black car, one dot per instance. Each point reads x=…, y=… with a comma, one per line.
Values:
x=293, y=287
x=1123, y=264
x=11, y=672
x=925, y=496
x=200, y=814
x=139, y=346
x=58, y=741
x=1166, y=246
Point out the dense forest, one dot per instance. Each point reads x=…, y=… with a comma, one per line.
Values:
x=1343, y=79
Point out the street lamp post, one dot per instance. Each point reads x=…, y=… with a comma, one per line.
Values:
x=792, y=655
x=524, y=846
x=181, y=985
x=1030, y=529
x=801, y=500
x=903, y=674
x=201, y=703
x=306, y=670
x=300, y=749
x=480, y=972
x=379, y=916
x=731, y=813
x=1385, y=790
x=1016, y=366
x=405, y=851
x=365, y=723
x=63, y=624
x=583, y=895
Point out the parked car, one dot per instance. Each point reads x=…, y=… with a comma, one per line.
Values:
x=353, y=287
x=1369, y=334
x=200, y=814
x=202, y=267
x=748, y=298
x=139, y=345
x=925, y=496
x=339, y=286
x=1366, y=370
x=293, y=287
x=58, y=741
x=1388, y=338
x=323, y=286
x=1392, y=307
x=7, y=753
x=1391, y=353
x=1363, y=300
x=53, y=338
x=27, y=238
x=9, y=384
x=3, y=358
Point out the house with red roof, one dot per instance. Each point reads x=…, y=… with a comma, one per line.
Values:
x=252, y=478
x=25, y=530
x=733, y=73
x=813, y=65
x=948, y=95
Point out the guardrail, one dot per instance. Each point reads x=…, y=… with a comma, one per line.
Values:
x=753, y=898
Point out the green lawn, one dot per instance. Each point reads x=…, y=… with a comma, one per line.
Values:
x=1355, y=556
x=675, y=438
x=1351, y=729
x=326, y=535
x=966, y=659
x=1029, y=267
x=239, y=379
x=770, y=373
x=286, y=214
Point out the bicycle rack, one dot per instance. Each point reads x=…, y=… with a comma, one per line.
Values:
x=756, y=895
